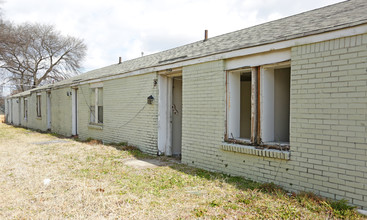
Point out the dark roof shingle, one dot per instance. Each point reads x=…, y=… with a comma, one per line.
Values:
x=338, y=16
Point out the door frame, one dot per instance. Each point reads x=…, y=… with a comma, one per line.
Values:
x=165, y=83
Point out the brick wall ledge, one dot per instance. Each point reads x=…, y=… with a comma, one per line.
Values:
x=95, y=126
x=245, y=149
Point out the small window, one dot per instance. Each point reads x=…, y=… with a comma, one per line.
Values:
x=96, y=107
x=38, y=105
x=25, y=109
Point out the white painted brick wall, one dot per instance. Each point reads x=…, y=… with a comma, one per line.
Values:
x=331, y=105
x=126, y=115
x=203, y=114
x=61, y=111
x=35, y=122
x=328, y=122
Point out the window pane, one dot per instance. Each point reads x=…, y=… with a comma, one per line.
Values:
x=38, y=103
x=25, y=108
x=92, y=97
x=92, y=113
x=100, y=114
x=100, y=96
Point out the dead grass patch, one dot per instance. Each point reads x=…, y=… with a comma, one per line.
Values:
x=94, y=142
x=90, y=181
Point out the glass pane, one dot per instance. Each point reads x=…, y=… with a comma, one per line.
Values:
x=92, y=97
x=38, y=106
x=100, y=97
x=92, y=114
x=100, y=114
x=25, y=108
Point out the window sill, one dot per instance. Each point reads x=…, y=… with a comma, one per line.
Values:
x=246, y=149
x=95, y=126
x=39, y=118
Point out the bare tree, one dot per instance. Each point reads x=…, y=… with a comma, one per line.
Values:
x=1, y=24
x=35, y=54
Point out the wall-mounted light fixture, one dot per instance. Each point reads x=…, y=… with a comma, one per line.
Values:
x=150, y=99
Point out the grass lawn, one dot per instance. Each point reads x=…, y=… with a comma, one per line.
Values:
x=43, y=176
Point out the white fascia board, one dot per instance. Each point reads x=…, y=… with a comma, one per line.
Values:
x=346, y=32
x=258, y=59
x=96, y=85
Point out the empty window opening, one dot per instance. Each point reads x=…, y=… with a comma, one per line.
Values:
x=245, y=105
x=275, y=105
x=258, y=106
x=239, y=105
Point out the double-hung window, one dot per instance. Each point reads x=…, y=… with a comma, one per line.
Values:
x=258, y=105
x=96, y=107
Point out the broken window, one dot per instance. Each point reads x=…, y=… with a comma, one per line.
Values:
x=38, y=105
x=258, y=106
x=96, y=107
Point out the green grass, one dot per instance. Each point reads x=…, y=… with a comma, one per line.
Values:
x=217, y=196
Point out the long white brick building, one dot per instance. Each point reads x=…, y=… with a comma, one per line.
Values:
x=282, y=102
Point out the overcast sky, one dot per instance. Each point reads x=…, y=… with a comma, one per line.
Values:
x=114, y=28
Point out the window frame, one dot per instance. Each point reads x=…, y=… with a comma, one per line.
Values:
x=233, y=98
x=25, y=109
x=38, y=105
x=94, y=110
x=269, y=76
